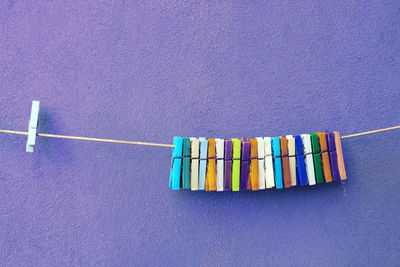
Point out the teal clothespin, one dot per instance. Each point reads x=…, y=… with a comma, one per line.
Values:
x=175, y=175
x=203, y=162
x=186, y=164
x=276, y=153
x=33, y=125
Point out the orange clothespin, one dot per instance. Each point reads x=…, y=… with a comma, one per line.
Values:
x=253, y=175
x=285, y=163
x=211, y=170
x=326, y=167
x=339, y=152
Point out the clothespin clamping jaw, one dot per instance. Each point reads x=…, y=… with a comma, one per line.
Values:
x=33, y=125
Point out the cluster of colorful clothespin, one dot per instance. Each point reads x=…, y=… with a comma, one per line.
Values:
x=255, y=164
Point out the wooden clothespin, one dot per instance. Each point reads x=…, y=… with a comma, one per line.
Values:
x=176, y=164
x=33, y=125
x=228, y=165
x=308, y=153
x=339, y=152
x=211, y=183
x=319, y=175
x=253, y=174
x=236, y=152
x=268, y=161
x=261, y=164
x=326, y=166
x=292, y=158
x=244, y=168
x=185, y=181
x=276, y=153
x=330, y=136
x=300, y=163
x=287, y=181
x=219, y=150
x=194, y=164
x=203, y=162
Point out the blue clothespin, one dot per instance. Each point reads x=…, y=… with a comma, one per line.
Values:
x=301, y=166
x=203, y=162
x=276, y=153
x=33, y=125
x=175, y=174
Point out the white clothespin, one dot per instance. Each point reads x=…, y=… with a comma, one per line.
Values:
x=308, y=158
x=269, y=167
x=292, y=158
x=261, y=165
x=219, y=147
x=33, y=125
x=194, y=166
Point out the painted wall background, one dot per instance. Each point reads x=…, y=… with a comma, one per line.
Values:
x=149, y=71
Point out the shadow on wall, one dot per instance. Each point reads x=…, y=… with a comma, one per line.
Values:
x=336, y=191
x=54, y=150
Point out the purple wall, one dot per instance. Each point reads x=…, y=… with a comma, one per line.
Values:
x=150, y=71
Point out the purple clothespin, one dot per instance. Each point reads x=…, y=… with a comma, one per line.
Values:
x=244, y=169
x=228, y=165
x=333, y=156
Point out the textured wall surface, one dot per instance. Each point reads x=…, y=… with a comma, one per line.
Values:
x=149, y=71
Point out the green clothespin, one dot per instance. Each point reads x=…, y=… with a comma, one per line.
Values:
x=319, y=176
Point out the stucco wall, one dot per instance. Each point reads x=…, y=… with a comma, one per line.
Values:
x=152, y=70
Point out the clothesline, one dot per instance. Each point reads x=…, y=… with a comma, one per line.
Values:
x=159, y=144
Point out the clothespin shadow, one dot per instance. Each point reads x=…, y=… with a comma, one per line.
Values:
x=326, y=195
x=53, y=149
